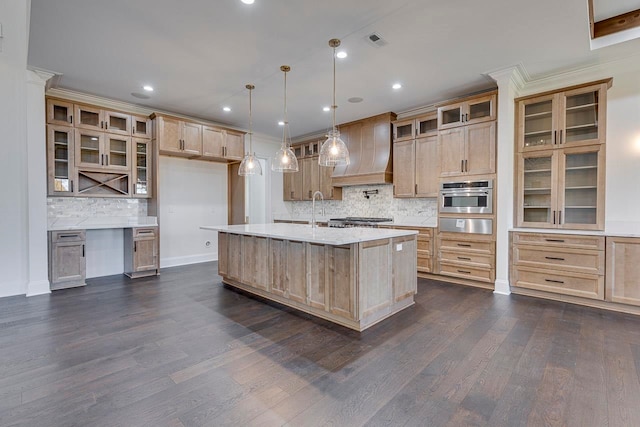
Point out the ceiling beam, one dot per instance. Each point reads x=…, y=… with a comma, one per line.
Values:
x=612, y=25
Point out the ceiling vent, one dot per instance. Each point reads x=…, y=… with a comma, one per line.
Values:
x=376, y=40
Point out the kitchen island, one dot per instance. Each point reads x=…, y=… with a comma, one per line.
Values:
x=354, y=277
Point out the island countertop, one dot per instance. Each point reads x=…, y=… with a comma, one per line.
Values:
x=305, y=233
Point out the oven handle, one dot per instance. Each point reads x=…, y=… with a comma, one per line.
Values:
x=465, y=193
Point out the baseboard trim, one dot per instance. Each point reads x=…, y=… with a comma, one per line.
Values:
x=186, y=260
x=502, y=287
x=38, y=287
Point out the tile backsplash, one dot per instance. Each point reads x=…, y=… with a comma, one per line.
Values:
x=383, y=204
x=77, y=207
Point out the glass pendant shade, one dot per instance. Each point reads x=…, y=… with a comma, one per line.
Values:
x=250, y=165
x=334, y=151
x=285, y=159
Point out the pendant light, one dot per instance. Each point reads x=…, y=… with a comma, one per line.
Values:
x=250, y=165
x=334, y=151
x=285, y=160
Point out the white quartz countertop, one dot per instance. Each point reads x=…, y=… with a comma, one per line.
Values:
x=404, y=221
x=96, y=223
x=305, y=233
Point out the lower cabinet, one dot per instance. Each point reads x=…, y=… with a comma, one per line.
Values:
x=67, y=263
x=559, y=263
x=467, y=256
x=623, y=270
x=141, y=252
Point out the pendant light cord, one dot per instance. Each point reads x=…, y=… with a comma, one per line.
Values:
x=285, y=144
x=250, y=87
x=334, y=106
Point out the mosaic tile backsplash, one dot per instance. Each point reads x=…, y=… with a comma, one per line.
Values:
x=78, y=207
x=383, y=204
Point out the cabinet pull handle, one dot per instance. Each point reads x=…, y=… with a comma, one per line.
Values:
x=102, y=125
x=466, y=165
x=464, y=271
x=554, y=281
x=461, y=118
x=292, y=194
x=560, y=136
x=135, y=246
x=555, y=240
x=461, y=165
x=70, y=119
x=82, y=251
x=464, y=245
x=554, y=258
x=106, y=159
x=464, y=258
x=145, y=231
x=309, y=193
x=62, y=236
x=72, y=186
x=560, y=217
x=102, y=159
x=466, y=117
x=416, y=190
x=555, y=137
x=554, y=217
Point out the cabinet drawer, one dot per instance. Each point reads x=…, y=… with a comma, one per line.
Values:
x=566, y=259
x=424, y=262
x=67, y=236
x=560, y=240
x=424, y=243
x=576, y=284
x=475, y=246
x=466, y=272
x=484, y=260
x=145, y=232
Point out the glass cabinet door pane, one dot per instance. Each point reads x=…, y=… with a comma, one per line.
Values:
x=581, y=188
x=427, y=125
x=538, y=126
x=61, y=113
x=537, y=189
x=581, y=117
x=90, y=118
x=117, y=151
x=141, y=182
x=479, y=110
x=452, y=115
x=89, y=149
x=404, y=131
x=61, y=179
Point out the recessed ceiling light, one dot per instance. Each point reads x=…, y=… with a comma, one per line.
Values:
x=396, y=86
x=280, y=123
x=226, y=109
x=148, y=88
x=355, y=99
x=326, y=108
x=247, y=1
x=342, y=54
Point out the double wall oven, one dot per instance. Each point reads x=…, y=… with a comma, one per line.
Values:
x=464, y=204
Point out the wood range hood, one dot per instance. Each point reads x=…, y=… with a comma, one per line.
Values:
x=370, y=152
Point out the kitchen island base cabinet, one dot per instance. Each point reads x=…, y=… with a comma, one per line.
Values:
x=355, y=285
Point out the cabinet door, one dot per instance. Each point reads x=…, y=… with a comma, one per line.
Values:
x=583, y=116
x=481, y=109
x=89, y=149
x=142, y=168
x=623, y=270
x=278, y=259
x=60, y=163
x=67, y=263
x=450, y=116
x=212, y=142
x=118, y=123
x=310, y=177
x=403, y=130
x=169, y=135
x=537, y=189
x=343, y=296
x=117, y=152
x=91, y=118
x=327, y=190
x=480, y=149
x=404, y=172
x=426, y=125
x=317, y=275
x=427, y=166
x=192, y=138
x=537, y=123
x=59, y=112
x=296, y=275
x=451, y=146
x=255, y=252
x=581, y=188
x=292, y=184
x=234, y=145
x=141, y=127
x=145, y=255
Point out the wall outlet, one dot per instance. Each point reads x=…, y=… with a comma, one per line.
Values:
x=398, y=247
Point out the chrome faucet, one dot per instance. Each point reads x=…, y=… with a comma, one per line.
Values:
x=313, y=208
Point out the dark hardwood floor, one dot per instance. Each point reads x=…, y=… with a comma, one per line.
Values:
x=182, y=350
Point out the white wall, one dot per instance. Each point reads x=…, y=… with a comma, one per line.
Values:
x=14, y=17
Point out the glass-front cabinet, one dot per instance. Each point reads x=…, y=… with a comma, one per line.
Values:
x=476, y=110
x=571, y=118
x=142, y=168
x=562, y=188
x=102, y=151
x=60, y=160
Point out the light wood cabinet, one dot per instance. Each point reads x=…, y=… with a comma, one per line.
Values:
x=408, y=129
x=623, y=270
x=296, y=271
x=292, y=185
x=98, y=150
x=67, y=263
x=60, y=160
x=178, y=137
x=568, y=118
x=141, y=251
x=97, y=119
x=220, y=144
x=142, y=168
x=467, y=112
x=59, y=112
x=311, y=177
x=558, y=263
x=416, y=167
x=141, y=127
x=561, y=188
x=468, y=150
x=466, y=256
x=255, y=256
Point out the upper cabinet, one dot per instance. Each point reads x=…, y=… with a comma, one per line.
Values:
x=466, y=112
x=100, y=150
x=141, y=127
x=311, y=177
x=60, y=163
x=408, y=129
x=568, y=118
x=468, y=150
x=560, y=174
x=177, y=137
x=59, y=112
x=94, y=118
x=220, y=143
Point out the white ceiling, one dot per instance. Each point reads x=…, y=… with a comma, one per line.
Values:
x=199, y=54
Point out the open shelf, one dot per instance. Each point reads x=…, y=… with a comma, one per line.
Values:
x=539, y=132
x=584, y=126
x=537, y=115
